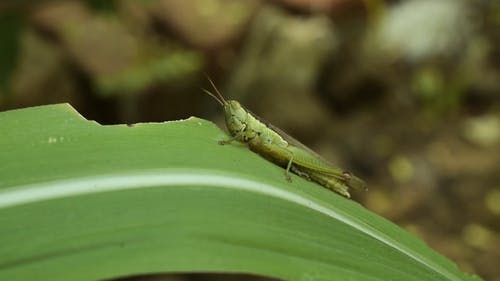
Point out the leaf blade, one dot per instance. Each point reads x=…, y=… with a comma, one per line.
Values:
x=110, y=201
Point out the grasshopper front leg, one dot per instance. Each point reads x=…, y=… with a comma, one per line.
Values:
x=235, y=137
x=228, y=141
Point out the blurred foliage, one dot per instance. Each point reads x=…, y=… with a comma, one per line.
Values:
x=104, y=6
x=405, y=93
x=10, y=26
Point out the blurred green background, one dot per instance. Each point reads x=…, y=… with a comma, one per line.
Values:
x=405, y=94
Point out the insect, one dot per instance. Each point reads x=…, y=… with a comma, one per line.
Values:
x=281, y=149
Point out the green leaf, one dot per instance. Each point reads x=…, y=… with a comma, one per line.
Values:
x=81, y=201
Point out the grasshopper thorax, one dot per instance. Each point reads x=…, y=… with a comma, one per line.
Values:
x=236, y=117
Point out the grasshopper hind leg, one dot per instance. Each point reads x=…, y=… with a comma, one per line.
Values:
x=334, y=185
x=331, y=183
x=324, y=180
x=300, y=173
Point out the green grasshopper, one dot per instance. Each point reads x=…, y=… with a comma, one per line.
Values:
x=281, y=149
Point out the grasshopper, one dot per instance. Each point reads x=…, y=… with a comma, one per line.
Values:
x=281, y=149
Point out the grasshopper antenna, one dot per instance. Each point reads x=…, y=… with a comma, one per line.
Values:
x=221, y=97
x=213, y=96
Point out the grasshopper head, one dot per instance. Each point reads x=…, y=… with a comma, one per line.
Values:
x=236, y=116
